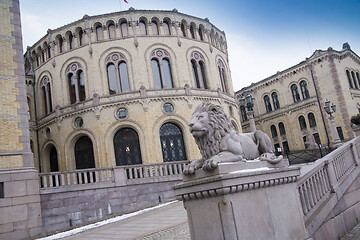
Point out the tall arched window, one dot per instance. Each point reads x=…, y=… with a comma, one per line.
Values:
x=183, y=29
x=273, y=131
x=71, y=41
x=61, y=44
x=166, y=27
x=143, y=29
x=127, y=147
x=124, y=29
x=201, y=32
x=111, y=29
x=76, y=82
x=160, y=62
x=304, y=90
x=46, y=92
x=192, y=31
x=275, y=100
x=302, y=122
x=222, y=75
x=282, y=128
x=117, y=73
x=54, y=165
x=295, y=93
x=198, y=69
x=99, y=33
x=155, y=27
x=354, y=80
x=172, y=143
x=349, y=79
x=84, y=153
x=312, y=121
x=358, y=78
x=81, y=37
x=267, y=103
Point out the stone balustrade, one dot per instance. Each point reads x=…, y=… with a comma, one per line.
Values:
x=112, y=176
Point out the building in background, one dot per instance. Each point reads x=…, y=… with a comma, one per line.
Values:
x=120, y=88
x=20, y=211
x=289, y=106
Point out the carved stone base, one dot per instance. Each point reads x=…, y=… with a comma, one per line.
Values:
x=237, y=201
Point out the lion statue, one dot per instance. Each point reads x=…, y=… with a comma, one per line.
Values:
x=219, y=142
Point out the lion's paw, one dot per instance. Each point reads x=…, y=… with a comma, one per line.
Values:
x=210, y=164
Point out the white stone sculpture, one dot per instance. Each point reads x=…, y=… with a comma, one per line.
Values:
x=219, y=142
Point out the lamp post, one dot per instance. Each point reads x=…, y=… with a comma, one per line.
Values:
x=330, y=109
x=248, y=101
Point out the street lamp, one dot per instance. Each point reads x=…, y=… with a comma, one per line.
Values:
x=248, y=101
x=330, y=109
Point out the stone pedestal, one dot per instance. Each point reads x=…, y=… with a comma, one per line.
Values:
x=236, y=201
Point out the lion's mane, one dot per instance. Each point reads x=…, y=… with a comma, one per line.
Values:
x=219, y=125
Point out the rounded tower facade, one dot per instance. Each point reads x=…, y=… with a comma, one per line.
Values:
x=120, y=88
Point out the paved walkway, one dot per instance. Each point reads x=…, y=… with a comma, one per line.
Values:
x=169, y=222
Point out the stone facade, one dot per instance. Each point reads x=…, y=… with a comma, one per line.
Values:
x=178, y=42
x=20, y=212
x=330, y=74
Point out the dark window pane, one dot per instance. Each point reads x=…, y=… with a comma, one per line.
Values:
x=84, y=153
x=127, y=147
x=124, y=29
x=172, y=143
x=71, y=81
x=113, y=87
x=156, y=74
x=195, y=74
x=54, y=166
x=81, y=86
x=202, y=78
x=167, y=73
x=124, y=78
x=111, y=29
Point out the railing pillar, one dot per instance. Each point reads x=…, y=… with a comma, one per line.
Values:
x=332, y=176
x=120, y=176
x=355, y=153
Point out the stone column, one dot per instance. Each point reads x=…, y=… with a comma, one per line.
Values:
x=243, y=201
x=337, y=141
x=251, y=121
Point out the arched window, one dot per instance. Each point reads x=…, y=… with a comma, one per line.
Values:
x=243, y=113
x=71, y=41
x=304, y=90
x=222, y=76
x=312, y=121
x=54, y=165
x=183, y=29
x=273, y=131
x=111, y=29
x=127, y=147
x=201, y=33
x=166, y=27
x=349, y=79
x=302, y=122
x=143, y=29
x=267, y=103
x=295, y=93
x=354, y=80
x=46, y=93
x=275, y=100
x=29, y=108
x=76, y=82
x=192, y=31
x=282, y=128
x=161, y=69
x=124, y=29
x=84, y=153
x=358, y=77
x=155, y=27
x=99, y=33
x=172, y=143
x=117, y=73
x=61, y=44
x=81, y=37
x=198, y=69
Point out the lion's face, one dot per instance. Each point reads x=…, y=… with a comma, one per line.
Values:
x=199, y=124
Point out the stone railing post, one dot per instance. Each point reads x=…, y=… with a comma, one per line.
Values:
x=355, y=153
x=120, y=176
x=237, y=202
x=332, y=175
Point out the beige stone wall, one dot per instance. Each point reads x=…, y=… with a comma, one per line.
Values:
x=324, y=71
x=146, y=114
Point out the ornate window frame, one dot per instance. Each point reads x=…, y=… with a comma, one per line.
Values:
x=160, y=55
x=117, y=58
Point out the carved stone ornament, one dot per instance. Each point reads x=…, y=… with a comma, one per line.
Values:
x=219, y=142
